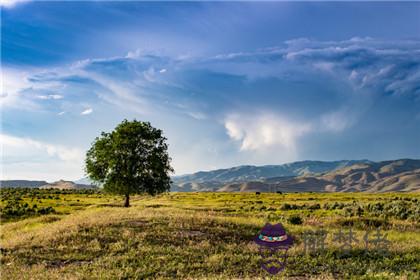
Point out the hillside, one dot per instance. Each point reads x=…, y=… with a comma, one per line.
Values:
x=204, y=235
x=397, y=175
x=365, y=176
x=66, y=185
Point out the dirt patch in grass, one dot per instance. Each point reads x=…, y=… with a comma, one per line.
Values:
x=137, y=223
x=190, y=233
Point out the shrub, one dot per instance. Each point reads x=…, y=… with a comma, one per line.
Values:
x=295, y=220
x=285, y=206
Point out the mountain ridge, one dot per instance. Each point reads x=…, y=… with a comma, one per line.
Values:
x=267, y=171
x=335, y=176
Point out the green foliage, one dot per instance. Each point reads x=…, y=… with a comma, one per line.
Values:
x=21, y=203
x=287, y=206
x=132, y=159
x=15, y=207
x=406, y=209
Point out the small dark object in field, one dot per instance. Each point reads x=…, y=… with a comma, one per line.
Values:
x=257, y=193
x=279, y=192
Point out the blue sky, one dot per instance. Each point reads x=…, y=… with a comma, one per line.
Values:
x=230, y=83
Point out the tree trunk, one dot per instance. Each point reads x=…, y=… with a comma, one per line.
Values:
x=127, y=200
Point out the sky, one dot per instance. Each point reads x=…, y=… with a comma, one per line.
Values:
x=229, y=83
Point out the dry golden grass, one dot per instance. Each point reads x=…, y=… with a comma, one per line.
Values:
x=191, y=236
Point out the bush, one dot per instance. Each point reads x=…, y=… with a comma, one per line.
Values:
x=295, y=220
x=285, y=206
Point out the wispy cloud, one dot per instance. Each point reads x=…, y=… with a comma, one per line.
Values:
x=50, y=96
x=87, y=111
x=274, y=101
x=389, y=67
x=133, y=81
x=10, y=142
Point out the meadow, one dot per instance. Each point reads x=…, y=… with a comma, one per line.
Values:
x=88, y=235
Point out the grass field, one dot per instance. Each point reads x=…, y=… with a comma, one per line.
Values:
x=201, y=235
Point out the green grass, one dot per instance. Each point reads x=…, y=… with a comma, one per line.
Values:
x=203, y=235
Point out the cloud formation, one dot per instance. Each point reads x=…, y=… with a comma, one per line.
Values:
x=49, y=96
x=291, y=100
x=261, y=131
x=386, y=67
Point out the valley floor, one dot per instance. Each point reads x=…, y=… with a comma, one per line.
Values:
x=209, y=236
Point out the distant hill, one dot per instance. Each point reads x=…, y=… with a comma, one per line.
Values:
x=213, y=180
x=21, y=184
x=344, y=176
x=397, y=175
x=66, y=185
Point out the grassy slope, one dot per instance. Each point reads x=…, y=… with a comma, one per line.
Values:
x=195, y=235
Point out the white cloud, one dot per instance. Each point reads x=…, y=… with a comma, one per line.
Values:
x=50, y=96
x=12, y=82
x=19, y=144
x=11, y=3
x=261, y=131
x=26, y=158
x=162, y=70
x=87, y=111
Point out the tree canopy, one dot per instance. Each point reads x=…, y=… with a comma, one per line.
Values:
x=132, y=159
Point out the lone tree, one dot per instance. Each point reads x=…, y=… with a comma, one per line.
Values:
x=132, y=159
